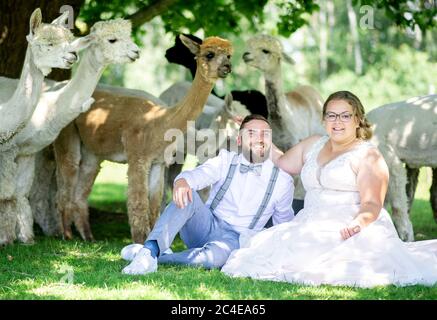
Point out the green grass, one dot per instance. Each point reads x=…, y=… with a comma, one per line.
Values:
x=56, y=269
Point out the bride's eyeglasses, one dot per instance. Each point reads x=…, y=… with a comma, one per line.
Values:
x=344, y=116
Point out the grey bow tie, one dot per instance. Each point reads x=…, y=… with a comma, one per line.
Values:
x=255, y=168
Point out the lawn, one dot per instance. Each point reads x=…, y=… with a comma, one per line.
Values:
x=56, y=269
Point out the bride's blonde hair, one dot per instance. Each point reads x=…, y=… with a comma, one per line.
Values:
x=364, y=130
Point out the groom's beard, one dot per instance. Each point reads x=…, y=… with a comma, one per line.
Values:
x=256, y=153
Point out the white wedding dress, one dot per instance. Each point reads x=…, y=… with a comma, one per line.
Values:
x=309, y=249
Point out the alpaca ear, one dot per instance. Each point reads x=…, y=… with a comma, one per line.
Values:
x=35, y=21
x=287, y=58
x=82, y=43
x=228, y=102
x=190, y=44
x=62, y=19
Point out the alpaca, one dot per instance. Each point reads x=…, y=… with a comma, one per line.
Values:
x=251, y=101
x=131, y=130
x=406, y=133
x=50, y=46
x=217, y=115
x=254, y=100
x=294, y=115
x=109, y=43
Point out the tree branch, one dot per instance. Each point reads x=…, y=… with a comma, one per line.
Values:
x=149, y=12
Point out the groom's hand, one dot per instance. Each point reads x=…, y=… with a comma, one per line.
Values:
x=182, y=193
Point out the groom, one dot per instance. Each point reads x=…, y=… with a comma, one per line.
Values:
x=247, y=189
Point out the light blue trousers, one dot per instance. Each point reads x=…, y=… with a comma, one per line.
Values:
x=210, y=240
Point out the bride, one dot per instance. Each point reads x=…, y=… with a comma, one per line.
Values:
x=342, y=236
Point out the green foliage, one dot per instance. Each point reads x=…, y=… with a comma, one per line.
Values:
x=399, y=74
x=406, y=13
x=230, y=16
x=294, y=16
x=213, y=17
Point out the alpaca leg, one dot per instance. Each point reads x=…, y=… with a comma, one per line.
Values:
x=156, y=191
x=89, y=168
x=204, y=193
x=433, y=192
x=398, y=199
x=170, y=174
x=8, y=220
x=8, y=176
x=26, y=167
x=138, y=198
x=68, y=155
x=412, y=178
x=42, y=197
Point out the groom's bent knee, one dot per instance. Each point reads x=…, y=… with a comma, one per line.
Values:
x=212, y=256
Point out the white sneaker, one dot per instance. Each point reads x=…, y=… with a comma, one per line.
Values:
x=142, y=263
x=168, y=251
x=129, y=252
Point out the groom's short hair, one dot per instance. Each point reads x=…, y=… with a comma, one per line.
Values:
x=251, y=117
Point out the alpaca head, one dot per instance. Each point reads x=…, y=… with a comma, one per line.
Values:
x=213, y=57
x=265, y=53
x=50, y=44
x=112, y=43
x=180, y=54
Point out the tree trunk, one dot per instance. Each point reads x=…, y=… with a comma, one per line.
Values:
x=149, y=12
x=355, y=37
x=323, y=43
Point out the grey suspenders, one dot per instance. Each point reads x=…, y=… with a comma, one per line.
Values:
x=266, y=198
x=220, y=194
x=225, y=186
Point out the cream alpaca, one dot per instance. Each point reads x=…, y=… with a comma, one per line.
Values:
x=406, y=134
x=295, y=115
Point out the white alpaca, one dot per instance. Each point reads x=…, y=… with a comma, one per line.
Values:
x=406, y=134
x=295, y=115
x=50, y=46
x=109, y=43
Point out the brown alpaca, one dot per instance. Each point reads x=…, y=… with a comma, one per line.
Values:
x=130, y=129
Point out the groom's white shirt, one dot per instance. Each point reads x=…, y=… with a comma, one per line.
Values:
x=246, y=191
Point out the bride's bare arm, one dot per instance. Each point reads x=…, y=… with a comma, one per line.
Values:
x=372, y=181
x=292, y=160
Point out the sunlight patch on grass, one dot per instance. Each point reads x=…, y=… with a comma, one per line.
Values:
x=204, y=290
x=133, y=290
x=326, y=293
x=112, y=172
x=424, y=184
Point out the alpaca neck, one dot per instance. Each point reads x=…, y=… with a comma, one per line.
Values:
x=85, y=79
x=274, y=93
x=29, y=86
x=192, y=104
x=70, y=100
x=17, y=111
